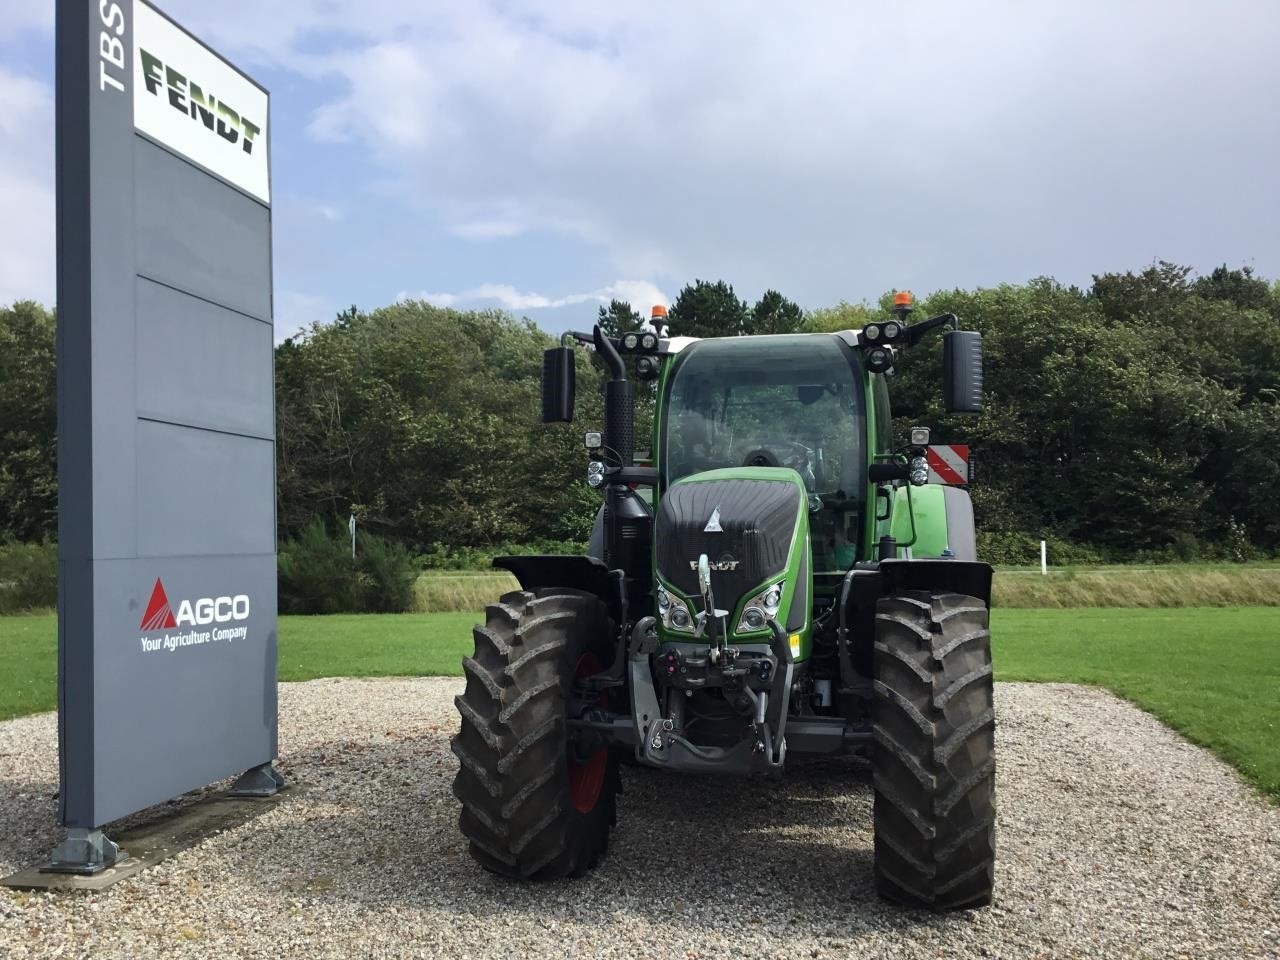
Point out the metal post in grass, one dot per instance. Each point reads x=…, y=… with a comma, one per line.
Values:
x=1044, y=559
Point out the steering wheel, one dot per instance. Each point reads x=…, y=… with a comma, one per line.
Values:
x=761, y=457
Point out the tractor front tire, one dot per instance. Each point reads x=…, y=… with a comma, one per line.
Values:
x=534, y=806
x=934, y=757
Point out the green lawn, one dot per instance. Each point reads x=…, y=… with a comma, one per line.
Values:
x=1213, y=674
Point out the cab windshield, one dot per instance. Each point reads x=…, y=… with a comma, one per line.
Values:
x=786, y=401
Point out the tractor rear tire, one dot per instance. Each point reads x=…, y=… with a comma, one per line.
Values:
x=934, y=757
x=534, y=806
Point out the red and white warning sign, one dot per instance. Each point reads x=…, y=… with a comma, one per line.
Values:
x=948, y=463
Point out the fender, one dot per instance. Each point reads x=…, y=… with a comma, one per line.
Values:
x=588, y=574
x=969, y=577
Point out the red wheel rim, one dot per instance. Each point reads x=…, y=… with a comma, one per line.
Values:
x=586, y=777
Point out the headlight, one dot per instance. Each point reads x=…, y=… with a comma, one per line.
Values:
x=879, y=360
x=772, y=599
x=674, y=612
x=595, y=473
x=919, y=472
x=761, y=608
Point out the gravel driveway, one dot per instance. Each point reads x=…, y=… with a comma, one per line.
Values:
x=1117, y=839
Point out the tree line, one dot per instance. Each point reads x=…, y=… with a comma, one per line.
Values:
x=1137, y=418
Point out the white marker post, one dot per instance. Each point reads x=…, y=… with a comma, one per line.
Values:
x=1044, y=559
x=351, y=525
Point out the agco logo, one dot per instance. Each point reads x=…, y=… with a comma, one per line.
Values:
x=202, y=612
x=187, y=96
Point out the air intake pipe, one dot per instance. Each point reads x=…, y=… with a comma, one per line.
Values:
x=619, y=405
x=619, y=450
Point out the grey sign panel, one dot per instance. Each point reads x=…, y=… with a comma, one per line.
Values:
x=167, y=593
x=172, y=328
x=199, y=493
x=196, y=234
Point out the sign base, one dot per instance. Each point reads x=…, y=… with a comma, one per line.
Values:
x=84, y=853
x=156, y=841
x=262, y=781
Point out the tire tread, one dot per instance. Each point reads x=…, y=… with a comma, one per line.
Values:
x=512, y=741
x=934, y=762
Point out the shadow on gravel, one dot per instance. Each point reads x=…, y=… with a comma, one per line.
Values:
x=377, y=825
x=29, y=812
x=30, y=818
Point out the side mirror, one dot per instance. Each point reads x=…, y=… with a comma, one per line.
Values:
x=559, y=385
x=962, y=371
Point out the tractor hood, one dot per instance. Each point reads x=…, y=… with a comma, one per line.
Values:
x=752, y=523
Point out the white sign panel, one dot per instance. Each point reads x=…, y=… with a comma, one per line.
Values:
x=191, y=100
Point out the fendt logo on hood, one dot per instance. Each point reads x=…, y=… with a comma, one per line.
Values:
x=202, y=612
x=723, y=565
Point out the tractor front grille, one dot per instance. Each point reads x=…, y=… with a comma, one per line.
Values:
x=757, y=520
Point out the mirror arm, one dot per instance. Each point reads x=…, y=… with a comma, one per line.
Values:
x=617, y=369
x=918, y=330
x=641, y=476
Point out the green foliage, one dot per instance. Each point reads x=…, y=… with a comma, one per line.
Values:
x=774, y=313
x=1013, y=548
x=28, y=424
x=843, y=316
x=318, y=575
x=28, y=577
x=706, y=309
x=386, y=575
x=424, y=423
x=1138, y=418
x=444, y=557
x=618, y=318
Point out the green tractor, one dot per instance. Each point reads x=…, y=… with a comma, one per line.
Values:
x=778, y=579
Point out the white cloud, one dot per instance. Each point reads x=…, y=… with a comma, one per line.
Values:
x=830, y=149
x=17, y=16
x=487, y=229
x=27, y=205
x=639, y=293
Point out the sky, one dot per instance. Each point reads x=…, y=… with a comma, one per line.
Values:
x=545, y=157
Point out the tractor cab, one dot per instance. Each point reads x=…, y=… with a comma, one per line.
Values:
x=795, y=402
